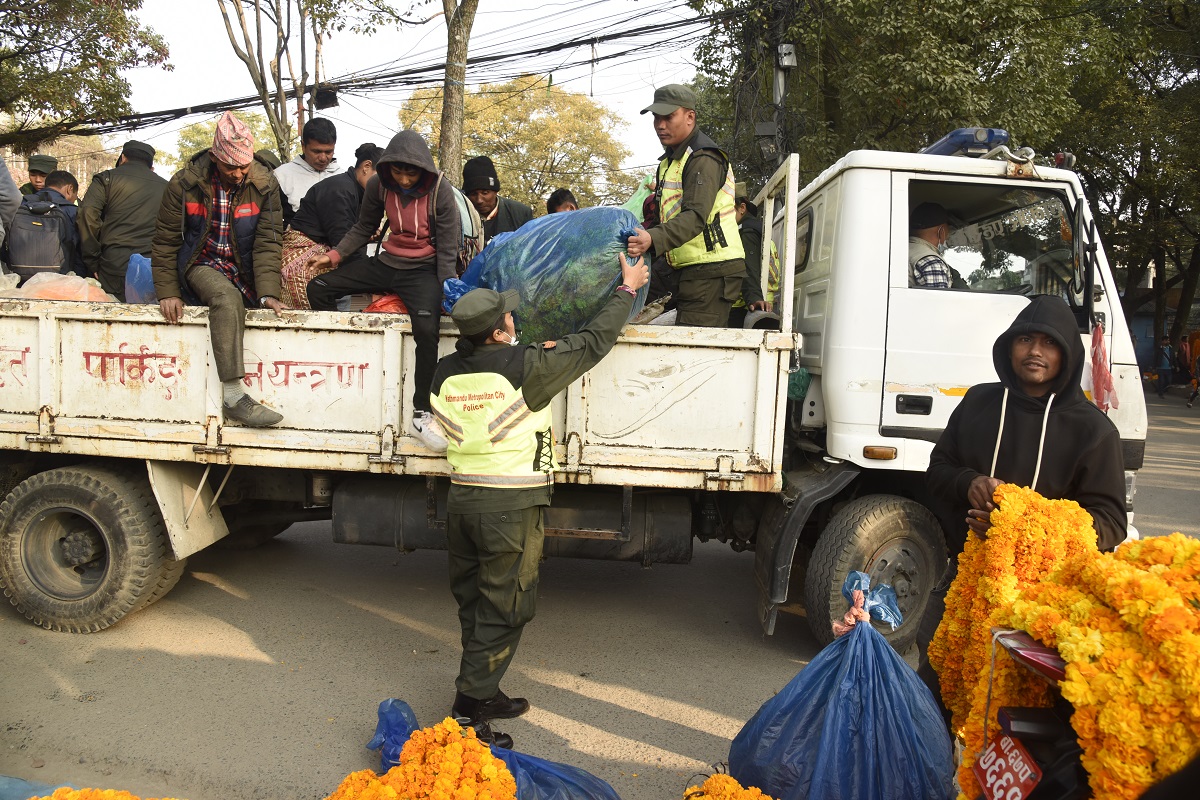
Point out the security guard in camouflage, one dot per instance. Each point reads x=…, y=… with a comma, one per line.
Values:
x=492, y=401
x=698, y=230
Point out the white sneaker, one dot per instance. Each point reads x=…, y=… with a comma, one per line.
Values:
x=429, y=431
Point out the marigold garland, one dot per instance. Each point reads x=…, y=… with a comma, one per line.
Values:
x=1030, y=536
x=443, y=762
x=723, y=787
x=1128, y=626
x=67, y=793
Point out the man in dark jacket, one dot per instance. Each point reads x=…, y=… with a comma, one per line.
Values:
x=418, y=255
x=218, y=242
x=481, y=185
x=697, y=229
x=117, y=215
x=1034, y=428
x=493, y=401
x=39, y=167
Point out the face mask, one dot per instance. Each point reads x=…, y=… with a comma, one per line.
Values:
x=513, y=341
x=941, y=248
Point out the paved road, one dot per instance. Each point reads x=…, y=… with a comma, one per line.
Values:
x=259, y=675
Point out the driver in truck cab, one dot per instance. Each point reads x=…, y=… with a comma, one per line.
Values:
x=928, y=231
x=1034, y=428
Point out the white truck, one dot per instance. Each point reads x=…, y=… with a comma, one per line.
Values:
x=116, y=465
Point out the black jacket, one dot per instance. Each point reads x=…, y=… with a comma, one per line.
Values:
x=1080, y=454
x=330, y=209
x=117, y=219
x=510, y=215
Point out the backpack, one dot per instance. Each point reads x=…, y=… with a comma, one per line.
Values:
x=468, y=217
x=41, y=238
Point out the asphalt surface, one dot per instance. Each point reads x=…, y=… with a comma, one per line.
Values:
x=260, y=674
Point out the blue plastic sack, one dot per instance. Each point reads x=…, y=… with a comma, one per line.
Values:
x=139, y=282
x=396, y=723
x=880, y=602
x=537, y=779
x=563, y=265
x=856, y=724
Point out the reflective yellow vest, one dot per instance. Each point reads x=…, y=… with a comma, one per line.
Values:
x=495, y=440
x=772, y=279
x=719, y=241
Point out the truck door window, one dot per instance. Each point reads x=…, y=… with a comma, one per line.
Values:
x=803, y=239
x=1005, y=239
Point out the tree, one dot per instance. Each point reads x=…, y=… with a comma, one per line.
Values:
x=540, y=138
x=199, y=136
x=891, y=75
x=60, y=62
x=280, y=41
x=460, y=17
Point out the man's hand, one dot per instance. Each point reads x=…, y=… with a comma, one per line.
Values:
x=979, y=495
x=322, y=261
x=760, y=305
x=635, y=275
x=172, y=309
x=275, y=305
x=639, y=242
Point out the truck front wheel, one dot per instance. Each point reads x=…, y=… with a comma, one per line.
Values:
x=894, y=540
x=81, y=547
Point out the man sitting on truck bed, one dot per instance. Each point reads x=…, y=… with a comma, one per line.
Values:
x=493, y=402
x=218, y=242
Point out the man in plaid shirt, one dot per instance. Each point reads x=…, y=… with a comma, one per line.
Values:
x=929, y=228
x=218, y=243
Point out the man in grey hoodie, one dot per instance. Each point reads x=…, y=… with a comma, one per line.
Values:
x=419, y=252
x=314, y=164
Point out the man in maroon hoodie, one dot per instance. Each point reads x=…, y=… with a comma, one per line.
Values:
x=419, y=253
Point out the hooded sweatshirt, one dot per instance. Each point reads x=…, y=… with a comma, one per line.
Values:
x=417, y=235
x=1059, y=444
x=295, y=179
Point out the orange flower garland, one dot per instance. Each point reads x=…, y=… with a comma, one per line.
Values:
x=1128, y=625
x=1030, y=536
x=67, y=793
x=444, y=762
x=723, y=787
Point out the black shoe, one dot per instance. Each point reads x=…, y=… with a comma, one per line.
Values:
x=502, y=707
x=485, y=734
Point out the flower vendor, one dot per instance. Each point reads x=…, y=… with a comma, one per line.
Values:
x=1034, y=428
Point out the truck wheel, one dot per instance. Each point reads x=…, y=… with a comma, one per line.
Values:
x=81, y=547
x=895, y=541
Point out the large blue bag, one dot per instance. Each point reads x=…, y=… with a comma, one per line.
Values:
x=856, y=724
x=563, y=265
x=537, y=779
x=139, y=282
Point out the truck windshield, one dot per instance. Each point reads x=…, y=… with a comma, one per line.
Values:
x=1012, y=240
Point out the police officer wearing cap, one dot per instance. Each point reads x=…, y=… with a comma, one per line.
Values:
x=118, y=215
x=492, y=399
x=698, y=229
x=39, y=167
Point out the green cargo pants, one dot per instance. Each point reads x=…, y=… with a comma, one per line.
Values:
x=707, y=292
x=493, y=575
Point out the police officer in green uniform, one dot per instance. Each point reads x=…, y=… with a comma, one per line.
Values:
x=698, y=229
x=39, y=167
x=492, y=400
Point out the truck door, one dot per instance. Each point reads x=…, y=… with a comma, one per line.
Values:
x=1007, y=240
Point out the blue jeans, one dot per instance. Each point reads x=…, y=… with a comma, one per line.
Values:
x=1164, y=380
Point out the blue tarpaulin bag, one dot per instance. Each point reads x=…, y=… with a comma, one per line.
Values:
x=856, y=724
x=139, y=282
x=564, y=266
x=537, y=779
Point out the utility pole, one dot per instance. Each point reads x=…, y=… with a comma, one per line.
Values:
x=785, y=59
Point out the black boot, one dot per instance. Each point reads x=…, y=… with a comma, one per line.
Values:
x=466, y=712
x=502, y=707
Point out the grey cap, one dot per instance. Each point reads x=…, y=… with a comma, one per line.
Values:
x=477, y=310
x=43, y=164
x=135, y=148
x=670, y=97
x=927, y=215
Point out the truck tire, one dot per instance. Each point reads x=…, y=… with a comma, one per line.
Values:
x=81, y=547
x=896, y=541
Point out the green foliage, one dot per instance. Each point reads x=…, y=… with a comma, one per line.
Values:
x=199, y=136
x=540, y=137
x=61, y=59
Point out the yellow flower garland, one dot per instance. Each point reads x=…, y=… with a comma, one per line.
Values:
x=66, y=793
x=723, y=787
x=1128, y=626
x=1030, y=536
x=443, y=762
